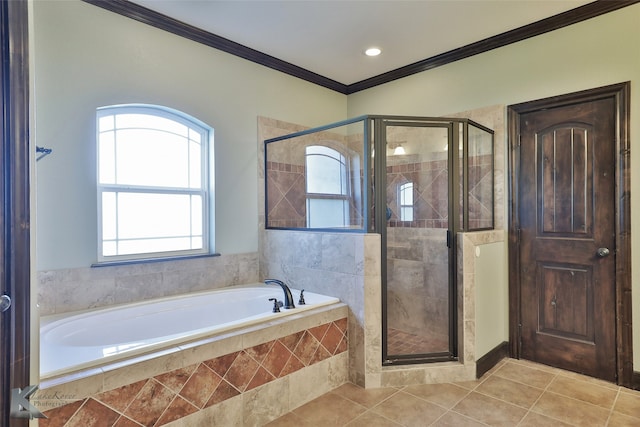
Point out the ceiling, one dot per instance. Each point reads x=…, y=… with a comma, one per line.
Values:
x=328, y=37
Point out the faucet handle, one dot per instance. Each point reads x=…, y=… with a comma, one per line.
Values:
x=301, y=300
x=276, y=305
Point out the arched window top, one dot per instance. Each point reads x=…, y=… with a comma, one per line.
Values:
x=323, y=150
x=327, y=187
x=151, y=146
x=163, y=116
x=326, y=170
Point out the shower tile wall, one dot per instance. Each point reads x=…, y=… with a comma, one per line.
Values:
x=286, y=204
x=480, y=194
x=73, y=289
x=418, y=287
x=344, y=265
x=430, y=192
x=417, y=263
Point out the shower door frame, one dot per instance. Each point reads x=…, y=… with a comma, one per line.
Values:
x=380, y=123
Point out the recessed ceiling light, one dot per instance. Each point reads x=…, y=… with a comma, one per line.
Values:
x=373, y=51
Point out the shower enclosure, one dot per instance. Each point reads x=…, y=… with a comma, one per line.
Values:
x=417, y=181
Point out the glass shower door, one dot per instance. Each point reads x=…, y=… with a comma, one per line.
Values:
x=418, y=294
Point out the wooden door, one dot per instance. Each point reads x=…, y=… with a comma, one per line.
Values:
x=568, y=237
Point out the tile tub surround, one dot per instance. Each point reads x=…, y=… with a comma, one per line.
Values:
x=75, y=289
x=248, y=378
x=343, y=265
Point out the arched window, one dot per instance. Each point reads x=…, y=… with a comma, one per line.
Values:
x=153, y=183
x=405, y=198
x=327, y=188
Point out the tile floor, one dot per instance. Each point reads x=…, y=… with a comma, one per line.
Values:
x=513, y=393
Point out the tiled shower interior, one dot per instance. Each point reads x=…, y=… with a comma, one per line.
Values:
x=417, y=265
x=417, y=211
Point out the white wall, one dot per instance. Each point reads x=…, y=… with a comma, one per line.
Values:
x=593, y=53
x=86, y=57
x=492, y=298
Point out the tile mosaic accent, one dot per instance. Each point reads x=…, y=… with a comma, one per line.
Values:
x=176, y=394
x=286, y=195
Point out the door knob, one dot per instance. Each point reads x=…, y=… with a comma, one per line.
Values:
x=603, y=252
x=5, y=303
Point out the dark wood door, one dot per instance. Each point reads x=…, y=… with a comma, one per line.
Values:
x=567, y=237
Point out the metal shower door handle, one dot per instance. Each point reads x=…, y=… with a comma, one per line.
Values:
x=603, y=252
x=5, y=303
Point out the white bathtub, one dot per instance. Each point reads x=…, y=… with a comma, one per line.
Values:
x=88, y=339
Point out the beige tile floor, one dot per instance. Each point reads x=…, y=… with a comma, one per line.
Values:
x=513, y=393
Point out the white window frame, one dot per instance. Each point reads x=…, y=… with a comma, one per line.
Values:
x=206, y=166
x=343, y=196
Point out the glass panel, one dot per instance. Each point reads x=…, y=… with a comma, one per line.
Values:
x=106, y=123
x=327, y=213
x=109, y=216
x=417, y=254
x=152, y=158
x=109, y=248
x=142, y=246
x=107, y=153
x=195, y=136
x=195, y=165
x=480, y=172
x=196, y=215
x=153, y=215
x=315, y=180
x=149, y=222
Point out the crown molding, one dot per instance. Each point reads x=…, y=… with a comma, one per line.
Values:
x=573, y=16
x=163, y=22
x=158, y=20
